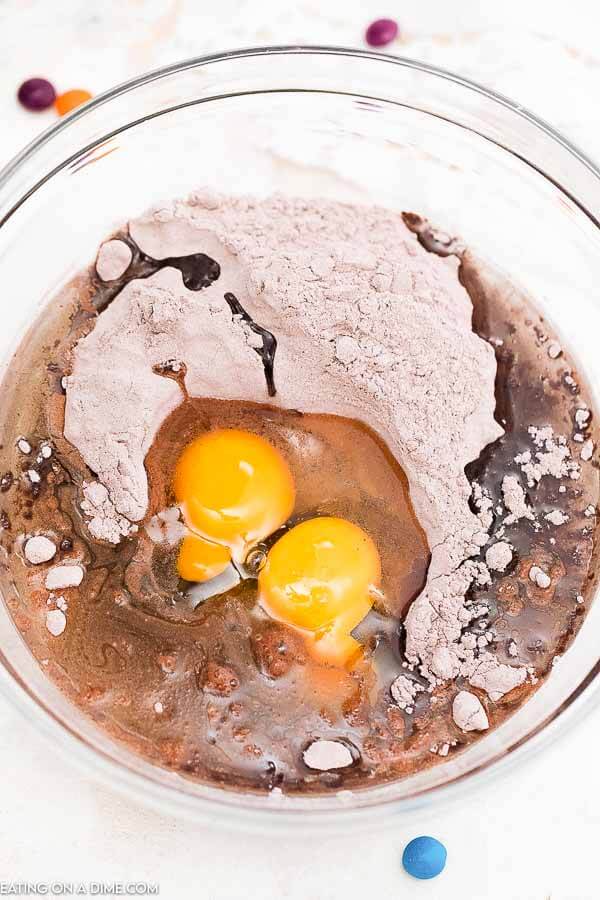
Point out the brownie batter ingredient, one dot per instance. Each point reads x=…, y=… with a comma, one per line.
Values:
x=39, y=549
x=468, y=712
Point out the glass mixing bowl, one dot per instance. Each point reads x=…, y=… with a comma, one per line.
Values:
x=351, y=126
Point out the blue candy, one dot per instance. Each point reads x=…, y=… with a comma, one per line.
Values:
x=424, y=857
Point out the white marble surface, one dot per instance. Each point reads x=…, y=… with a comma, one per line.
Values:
x=533, y=835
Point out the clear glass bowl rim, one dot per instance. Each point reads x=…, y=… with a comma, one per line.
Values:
x=584, y=696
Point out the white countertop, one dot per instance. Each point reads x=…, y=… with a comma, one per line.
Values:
x=534, y=834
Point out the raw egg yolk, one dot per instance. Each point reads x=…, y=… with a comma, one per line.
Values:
x=234, y=489
x=201, y=560
x=321, y=577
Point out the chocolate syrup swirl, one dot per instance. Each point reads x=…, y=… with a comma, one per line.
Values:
x=269, y=341
x=430, y=238
x=197, y=271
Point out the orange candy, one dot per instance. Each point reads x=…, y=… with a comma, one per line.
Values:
x=70, y=100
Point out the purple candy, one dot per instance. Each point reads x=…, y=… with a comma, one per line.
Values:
x=381, y=32
x=36, y=94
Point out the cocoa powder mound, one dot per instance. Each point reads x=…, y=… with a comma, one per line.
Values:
x=369, y=325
